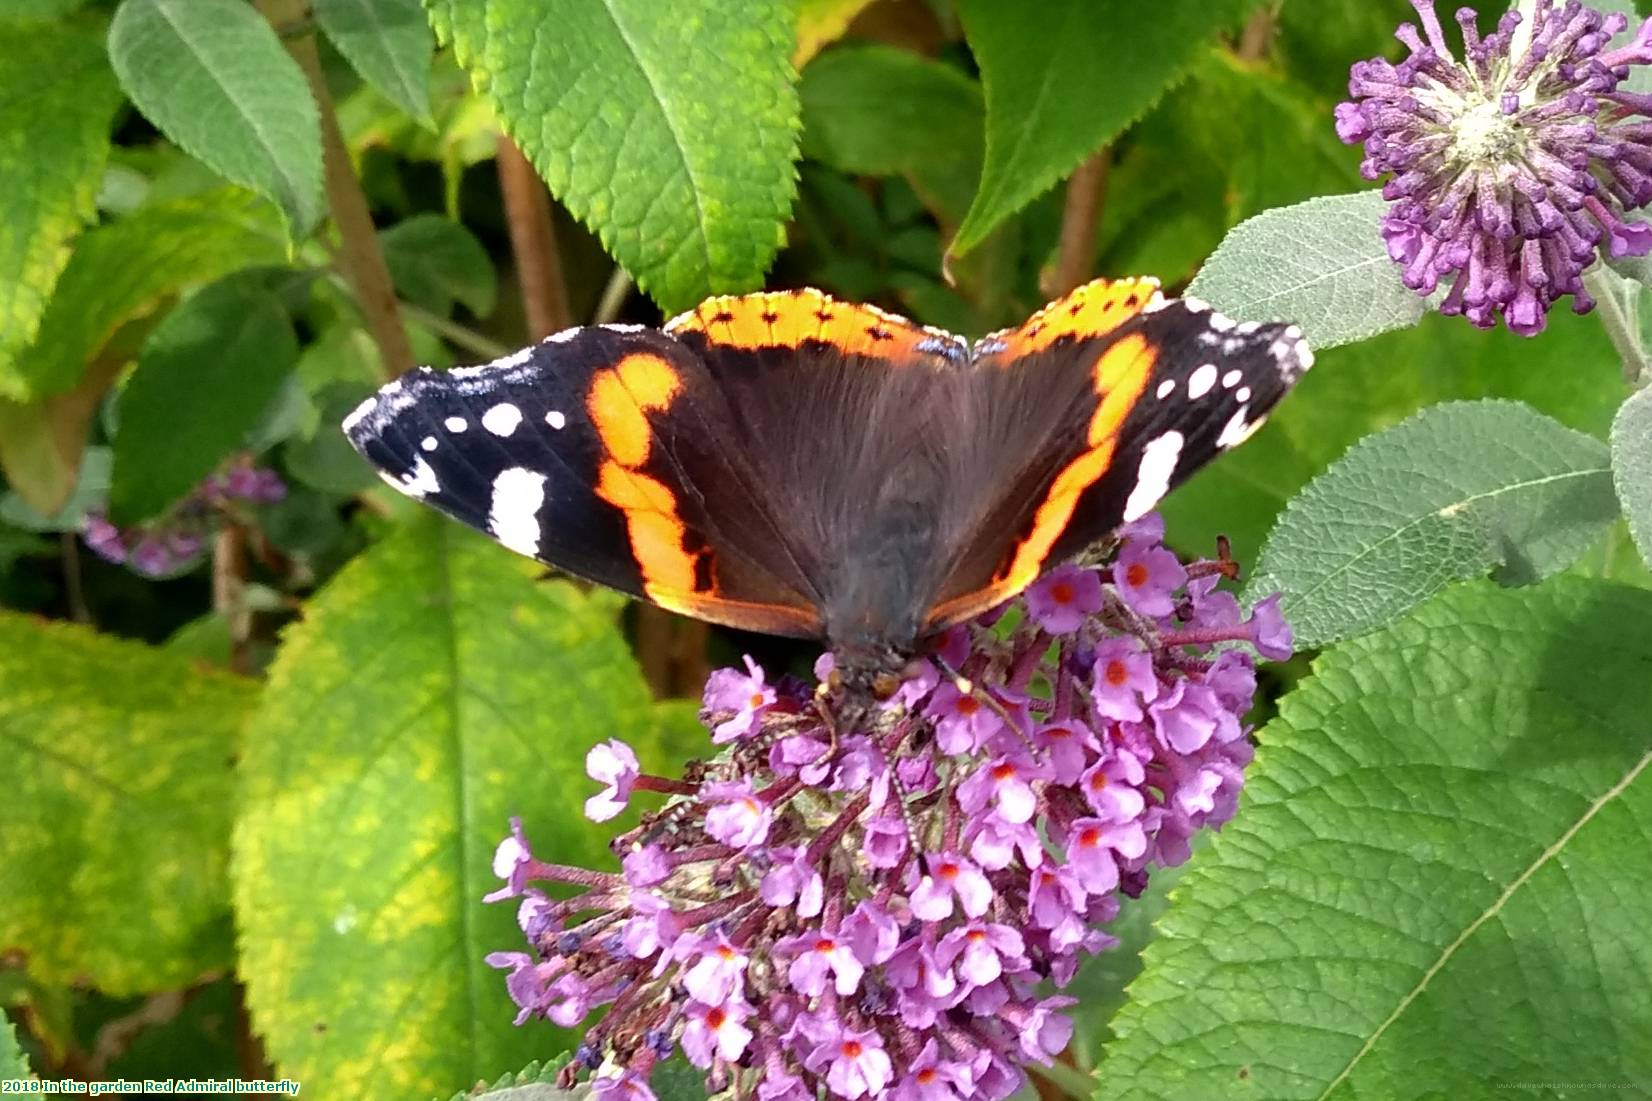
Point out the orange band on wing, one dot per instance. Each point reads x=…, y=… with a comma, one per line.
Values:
x=1119, y=377
x=786, y=319
x=621, y=396
x=1093, y=310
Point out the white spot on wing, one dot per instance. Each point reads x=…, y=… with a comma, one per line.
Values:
x=1166, y=388
x=617, y=327
x=1195, y=305
x=421, y=483
x=502, y=419
x=1158, y=463
x=1243, y=393
x=513, y=514
x=562, y=337
x=1231, y=379
x=1201, y=381
x=1236, y=431
x=428, y=443
x=1156, y=303
x=556, y=420
x=455, y=424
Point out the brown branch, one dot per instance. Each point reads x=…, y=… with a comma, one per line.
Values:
x=1257, y=36
x=1076, y=257
x=229, y=593
x=74, y=584
x=533, y=241
x=358, y=254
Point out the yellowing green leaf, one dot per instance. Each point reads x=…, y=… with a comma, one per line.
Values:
x=821, y=22
x=120, y=769
x=57, y=96
x=434, y=689
x=124, y=269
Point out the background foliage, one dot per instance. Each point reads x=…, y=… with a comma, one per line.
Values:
x=253, y=798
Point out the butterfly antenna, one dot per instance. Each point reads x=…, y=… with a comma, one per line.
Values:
x=967, y=687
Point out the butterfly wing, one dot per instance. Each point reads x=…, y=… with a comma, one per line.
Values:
x=604, y=452
x=1086, y=416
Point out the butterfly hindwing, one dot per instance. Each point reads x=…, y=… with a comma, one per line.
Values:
x=1154, y=389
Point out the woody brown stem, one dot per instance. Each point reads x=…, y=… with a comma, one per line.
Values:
x=533, y=242
x=1076, y=256
x=357, y=253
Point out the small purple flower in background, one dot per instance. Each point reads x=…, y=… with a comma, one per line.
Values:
x=1511, y=170
x=889, y=911
x=174, y=542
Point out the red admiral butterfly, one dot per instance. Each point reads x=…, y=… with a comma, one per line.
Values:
x=795, y=465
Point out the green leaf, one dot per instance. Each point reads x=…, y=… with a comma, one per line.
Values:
x=14, y=1064
x=433, y=689
x=534, y=1082
x=1356, y=389
x=204, y=377
x=54, y=139
x=1440, y=864
x=881, y=111
x=435, y=261
x=672, y=138
x=1321, y=264
x=214, y=77
x=120, y=769
x=1632, y=467
x=389, y=43
x=124, y=269
x=1455, y=491
x=1056, y=96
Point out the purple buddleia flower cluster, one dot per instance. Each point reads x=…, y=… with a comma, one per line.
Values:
x=1512, y=169
x=892, y=912
x=175, y=541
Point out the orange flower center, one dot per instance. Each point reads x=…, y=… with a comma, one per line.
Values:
x=947, y=872
x=926, y=1076
x=1135, y=575
x=825, y=944
x=852, y=1049
x=1116, y=674
x=715, y=1018
x=968, y=705
x=1090, y=838
x=1003, y=771
x=1061, y=592
x=757, y=699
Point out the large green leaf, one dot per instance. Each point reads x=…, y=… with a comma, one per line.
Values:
x=1437, y=879
x=1058, y=94
x=1456, y=491
x=880, y=111
x=1321, y=264
x=214, y=77
x=204, y=377
x=1570, y=374
x=120, y=767
x=389, y=43
x=672, y=137
x=433, y=689
x=121, y=270
x=1632, y=467
x=54, y=138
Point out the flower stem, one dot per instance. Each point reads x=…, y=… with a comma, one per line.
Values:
x=1621, y=324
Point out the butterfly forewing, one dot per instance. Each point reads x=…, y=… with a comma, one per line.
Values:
x=586, y=451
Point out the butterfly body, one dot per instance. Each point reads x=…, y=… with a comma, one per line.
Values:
x=791, y=464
